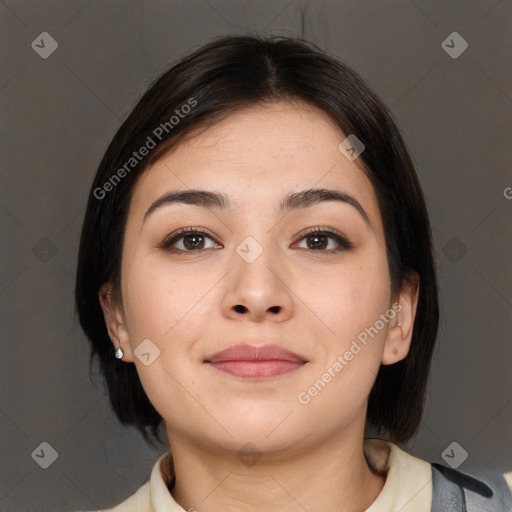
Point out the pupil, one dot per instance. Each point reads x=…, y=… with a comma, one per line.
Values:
x=193, y=241
x=317, y=238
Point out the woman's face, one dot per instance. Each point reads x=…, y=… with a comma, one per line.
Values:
x=256, y=275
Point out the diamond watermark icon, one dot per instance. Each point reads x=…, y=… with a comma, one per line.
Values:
x=147, y=352
x=249, y=455
x=249, y=250
x=351, y=147
x=454, y=45
x=44, y=250
x=45, y=455
x=44, y=45
x=454, y=249
x=454, y=455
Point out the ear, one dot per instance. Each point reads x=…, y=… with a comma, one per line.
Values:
x=399, y=335
x=114, y=320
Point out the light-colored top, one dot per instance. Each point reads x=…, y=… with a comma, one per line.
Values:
x=408, y=485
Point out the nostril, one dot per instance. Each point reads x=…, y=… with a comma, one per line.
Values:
x=240, y=309
x=275, y=309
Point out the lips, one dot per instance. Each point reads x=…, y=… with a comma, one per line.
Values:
x=252, y=362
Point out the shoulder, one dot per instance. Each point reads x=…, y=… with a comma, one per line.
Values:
x=417, y=485
x=138, y=502
x=408, y=479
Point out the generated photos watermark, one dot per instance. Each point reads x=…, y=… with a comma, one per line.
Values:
x=152, y=141
x=304, y=397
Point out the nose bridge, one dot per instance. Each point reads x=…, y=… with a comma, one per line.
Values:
x=253, y=261
x=256, y=283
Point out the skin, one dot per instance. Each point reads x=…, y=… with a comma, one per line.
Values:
x=311, y=301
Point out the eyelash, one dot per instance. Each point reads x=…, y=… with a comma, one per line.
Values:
x=342, y=241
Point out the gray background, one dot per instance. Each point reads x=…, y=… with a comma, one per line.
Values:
x=58, y=115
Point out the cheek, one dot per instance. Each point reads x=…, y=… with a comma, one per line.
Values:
x=343, y=375
x=158, y=298
x=348, y=298
x=165, y=309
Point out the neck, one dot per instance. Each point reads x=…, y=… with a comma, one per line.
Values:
x=331, y=477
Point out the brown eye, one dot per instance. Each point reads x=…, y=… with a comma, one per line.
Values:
x=188, y=240
x=319, y=240
x=192, y=242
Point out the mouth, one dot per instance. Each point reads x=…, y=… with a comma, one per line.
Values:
x=251, y=362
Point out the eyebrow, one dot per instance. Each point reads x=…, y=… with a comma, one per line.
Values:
x=293, y=201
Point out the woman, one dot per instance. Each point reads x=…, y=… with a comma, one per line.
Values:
x=257, y=255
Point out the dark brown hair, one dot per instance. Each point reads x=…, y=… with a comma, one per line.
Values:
x=214, y=81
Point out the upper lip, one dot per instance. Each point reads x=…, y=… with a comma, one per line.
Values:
x=244, y=352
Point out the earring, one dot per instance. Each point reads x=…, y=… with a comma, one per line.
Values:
x=395, y=351
x=119, y=353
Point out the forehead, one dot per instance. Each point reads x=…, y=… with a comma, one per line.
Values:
x=256, y=156
x=278, y=130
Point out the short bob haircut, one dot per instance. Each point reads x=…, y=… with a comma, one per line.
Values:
x=216, y=80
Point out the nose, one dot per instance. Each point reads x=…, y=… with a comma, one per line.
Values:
x=258, y=290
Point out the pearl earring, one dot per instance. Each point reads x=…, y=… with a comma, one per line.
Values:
x=119, y=353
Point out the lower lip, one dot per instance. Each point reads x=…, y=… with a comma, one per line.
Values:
x=257, y=369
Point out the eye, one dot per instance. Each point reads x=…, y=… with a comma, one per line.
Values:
x=188, y=240
x=196, y=240
x=318, y=239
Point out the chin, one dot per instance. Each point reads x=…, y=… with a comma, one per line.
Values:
x=269, y=431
